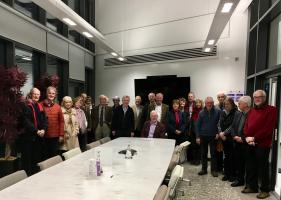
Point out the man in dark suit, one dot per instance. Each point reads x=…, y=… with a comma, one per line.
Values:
x=123, y=122
x=137, y=108
x=153, y=128
x=145, y=114
x=161, y=108
x=101, y=119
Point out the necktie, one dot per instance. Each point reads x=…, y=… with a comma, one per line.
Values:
x=101, y=116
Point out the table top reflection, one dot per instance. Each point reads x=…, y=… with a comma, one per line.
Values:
x=132, y=179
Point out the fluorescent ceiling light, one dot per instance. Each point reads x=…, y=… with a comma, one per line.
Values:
x=26, y=58
x=69, y=21
x=226, y=7
x=87, y=34
x=114, y=54
x=211, y=42
x=207, y=49
x=121, y=59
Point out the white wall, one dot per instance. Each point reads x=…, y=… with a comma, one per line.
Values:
x=208, y=76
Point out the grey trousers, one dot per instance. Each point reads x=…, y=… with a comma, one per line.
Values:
x=102, y=132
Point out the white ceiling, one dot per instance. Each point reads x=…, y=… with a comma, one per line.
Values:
x=147, y=26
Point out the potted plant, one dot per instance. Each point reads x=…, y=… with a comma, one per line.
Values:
x=11, y=103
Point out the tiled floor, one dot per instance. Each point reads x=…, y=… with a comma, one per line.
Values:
x=209, y=188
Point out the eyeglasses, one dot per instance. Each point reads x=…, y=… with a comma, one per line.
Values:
x=258, y=97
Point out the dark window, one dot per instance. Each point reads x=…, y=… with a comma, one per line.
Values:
x=24, y=59
x=28, y=8
x=75, y=88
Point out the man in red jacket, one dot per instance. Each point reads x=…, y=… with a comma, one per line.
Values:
x=258, y=130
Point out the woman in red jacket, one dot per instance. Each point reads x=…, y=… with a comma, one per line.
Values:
x=55, y=132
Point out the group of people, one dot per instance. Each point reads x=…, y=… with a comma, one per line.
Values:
x=239, y=139
x=50, y=128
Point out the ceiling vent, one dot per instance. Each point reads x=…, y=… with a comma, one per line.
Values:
x=162, y=57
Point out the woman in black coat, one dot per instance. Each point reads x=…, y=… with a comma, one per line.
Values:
x=176, y=123
x=224, y=127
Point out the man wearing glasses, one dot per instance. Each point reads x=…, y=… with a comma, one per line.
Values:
x=258, y=132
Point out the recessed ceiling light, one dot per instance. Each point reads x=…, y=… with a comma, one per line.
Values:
x=87, y=34
x=226, y=7
x=121, y=59
x=207, y=49
x=114, y=54
x=26, y=58
x=69, y=21
x=211, y=42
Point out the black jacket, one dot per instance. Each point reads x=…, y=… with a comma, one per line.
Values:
x=226, y=121
x=121, y=122
x=31, y=124
x=238, y=124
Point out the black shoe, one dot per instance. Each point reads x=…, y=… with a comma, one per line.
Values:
x=214, y=174
x=224, y=178
x=202, y=172
x=237, y=183
x=231, y=179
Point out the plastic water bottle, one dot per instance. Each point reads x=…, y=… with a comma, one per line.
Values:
x=98, y=165
x=91, y=167
x=128, y=153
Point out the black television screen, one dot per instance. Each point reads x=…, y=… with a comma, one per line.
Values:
x=171, y=86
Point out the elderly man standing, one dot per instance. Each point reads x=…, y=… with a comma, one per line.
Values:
x=116, y=102
x=137, y=108
x=221, y=96
x=153, y=128
x=161, y=108
x=258, y=131
x=145, y=113
x=101, y=118
x=123, y=122
x=207, y=134
x=238, y=136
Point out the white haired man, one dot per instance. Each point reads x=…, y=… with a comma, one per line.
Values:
x=161, y=108
x=137, y=108
x=152, y=128
x=101, y=118
x=258, y=130
x=207, y=133
x=123, y=122
x=238, y=136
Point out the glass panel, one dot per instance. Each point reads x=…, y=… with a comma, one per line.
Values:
x=274, y=52
x=254, y=8
x=51, y=22
x=252, y=52
x=2, y=52
x=74, y=36
x=74, y=5
x=24, y=61
x=27, y=7
x=52, y=66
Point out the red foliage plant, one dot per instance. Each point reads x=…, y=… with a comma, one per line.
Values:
x=46, y=81
x=11, y=102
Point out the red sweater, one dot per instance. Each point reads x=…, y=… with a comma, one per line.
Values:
x=55, y=120
x=260, y=124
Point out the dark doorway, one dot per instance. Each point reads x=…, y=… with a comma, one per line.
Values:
x=171, y=86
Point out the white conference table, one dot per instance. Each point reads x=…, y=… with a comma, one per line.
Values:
x=123, y=179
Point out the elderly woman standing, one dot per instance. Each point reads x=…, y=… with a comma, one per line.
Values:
x=82, y=122
x=224, y=128
x=71, y=127
x=176, y=123
x=55, y=132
